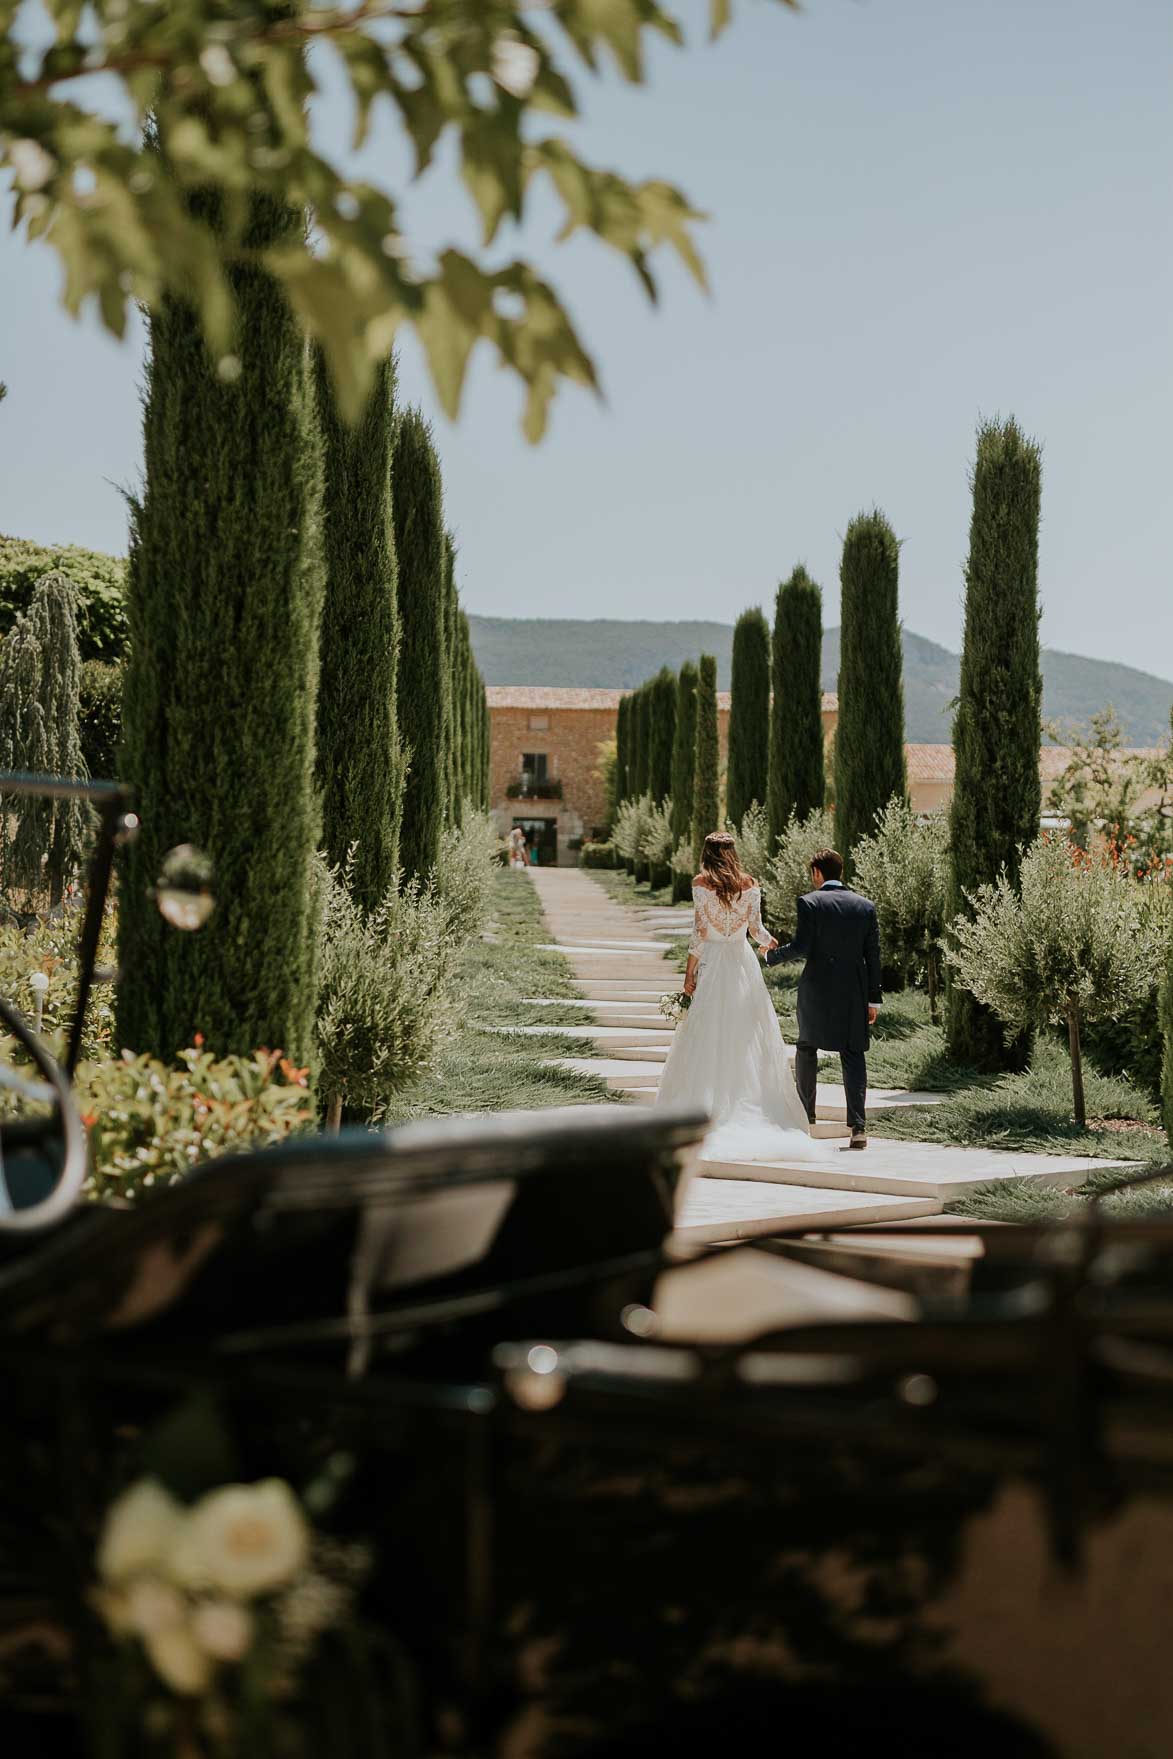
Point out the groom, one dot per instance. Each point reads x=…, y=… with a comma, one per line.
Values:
x=839, y=991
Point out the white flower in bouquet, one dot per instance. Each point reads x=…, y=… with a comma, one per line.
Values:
x=179, y=1661
x=153, y=1606
x=675, y=1007
x=223, y=1629
x=141, y=1529
x=244, y=1540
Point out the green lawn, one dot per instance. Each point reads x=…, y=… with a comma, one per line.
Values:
x=479, y=1071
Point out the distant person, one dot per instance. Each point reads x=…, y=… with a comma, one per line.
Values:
x=517, y=847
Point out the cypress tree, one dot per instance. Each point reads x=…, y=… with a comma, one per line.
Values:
x=622, y=735
x=359, y=765
x=749, y=716
x=684, y=753
x=40, y=734
x=706, y=794
x=997, y=726
x=683, y=768
x=662, y=694
x=417, y=499
x=641, y=716
x=797, y=780
x=451, y=725
x=225, y=587
x=869, y=738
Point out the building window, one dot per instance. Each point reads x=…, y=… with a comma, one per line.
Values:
x=533, y=765
x=539, y=723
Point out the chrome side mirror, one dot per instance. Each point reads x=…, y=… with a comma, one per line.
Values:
x=184, y=890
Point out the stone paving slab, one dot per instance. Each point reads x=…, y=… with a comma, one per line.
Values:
x=713, y=1210
x=618, y=1072
x=832, y=1101
x=744, y=1294
x=641, y=991
x=643, y=1037
x=910, y=1169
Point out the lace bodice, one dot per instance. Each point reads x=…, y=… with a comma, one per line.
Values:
x=715, y=921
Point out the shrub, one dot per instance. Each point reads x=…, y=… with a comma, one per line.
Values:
x=656, y=842
x=100, y=718
x=469, y=852
x=753, y=842
x=149, y=1124
x=50, y=947
x=382, y=1002
x=630, y=823
x=100, y=582
x=903, y=867
x=599, y=855
x=1075, y=943
x=788, y=876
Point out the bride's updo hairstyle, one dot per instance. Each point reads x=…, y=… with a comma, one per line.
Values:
x=721, y=868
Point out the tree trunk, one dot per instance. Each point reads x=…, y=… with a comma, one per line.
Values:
x=931, y=977
x=1076, y=1066
x=334, y=1113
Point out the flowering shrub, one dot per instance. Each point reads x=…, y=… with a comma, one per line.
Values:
x=49, y=947
x=150, y=1124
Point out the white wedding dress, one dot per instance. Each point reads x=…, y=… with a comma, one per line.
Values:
x=728, y=1056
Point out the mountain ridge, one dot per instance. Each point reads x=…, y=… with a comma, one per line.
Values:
x=611, y=653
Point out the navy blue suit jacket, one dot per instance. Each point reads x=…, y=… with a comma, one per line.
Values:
x=838, y=935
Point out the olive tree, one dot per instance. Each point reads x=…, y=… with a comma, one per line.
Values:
x=903, y=867
x=1071, y=944
x=788, y=875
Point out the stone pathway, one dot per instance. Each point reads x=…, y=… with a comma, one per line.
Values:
x=619, y=959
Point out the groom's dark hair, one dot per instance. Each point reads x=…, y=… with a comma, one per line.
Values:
x=829, y=863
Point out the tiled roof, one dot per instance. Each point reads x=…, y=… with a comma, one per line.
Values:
x=935, y=763
x=539, y=696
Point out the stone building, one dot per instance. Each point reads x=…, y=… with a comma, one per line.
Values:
x=545, y=761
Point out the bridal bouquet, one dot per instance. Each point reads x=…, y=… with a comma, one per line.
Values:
x=675, y=1007
x=218, y=1605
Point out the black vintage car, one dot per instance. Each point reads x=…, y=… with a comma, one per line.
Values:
x=609, y=1513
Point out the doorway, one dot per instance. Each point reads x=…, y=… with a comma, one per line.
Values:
x=541, y=834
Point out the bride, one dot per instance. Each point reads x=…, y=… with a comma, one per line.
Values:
x=727, y=1053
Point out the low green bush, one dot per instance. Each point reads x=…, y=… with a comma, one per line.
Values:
x=599, y=855
x=100, y=581
x=100, y=718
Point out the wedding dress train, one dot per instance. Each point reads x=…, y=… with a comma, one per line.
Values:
x=728, y=1055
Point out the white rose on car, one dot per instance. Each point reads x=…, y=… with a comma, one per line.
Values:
x=243, y=1540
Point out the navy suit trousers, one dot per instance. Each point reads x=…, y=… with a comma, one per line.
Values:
x=855, y=1081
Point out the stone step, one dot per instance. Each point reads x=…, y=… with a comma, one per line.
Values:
x=605, y=1013
x=714, y=1210
x=933, y=1170
x=749, y=1292
x=610, y=1038
x=600, y=990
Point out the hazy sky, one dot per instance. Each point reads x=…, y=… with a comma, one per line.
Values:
x=923, y=210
